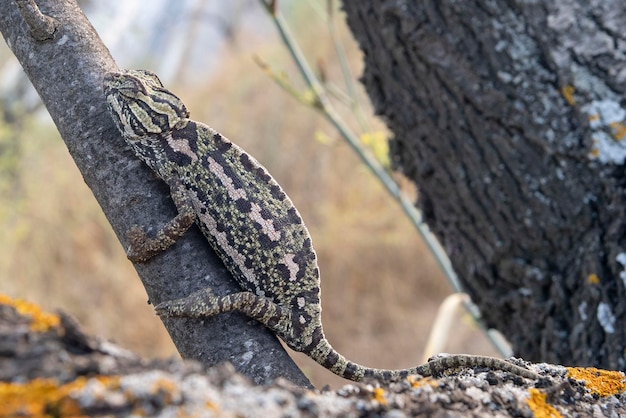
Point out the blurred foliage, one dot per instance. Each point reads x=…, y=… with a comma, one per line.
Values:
x=377, y=143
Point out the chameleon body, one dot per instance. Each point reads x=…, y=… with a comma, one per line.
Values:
x=248, y=220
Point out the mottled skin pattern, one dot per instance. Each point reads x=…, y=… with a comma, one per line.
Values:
x=248, y=220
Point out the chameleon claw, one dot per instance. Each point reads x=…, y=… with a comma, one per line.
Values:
x=137, y=238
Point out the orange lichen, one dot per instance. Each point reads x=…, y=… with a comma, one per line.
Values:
x=619, y=130
x=599, y=382
x=165, y=388
x=40, y=321
x=595, y=152
x=568, y=94
x=417, y=382
x=211, y=406
x=45, y=397
x=593, y=279
x=593, y=118
x=539, y=407
x=37, y=398
x=379, y=396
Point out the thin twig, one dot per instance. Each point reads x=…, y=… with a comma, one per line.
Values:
x=41, y=27
x=348, y=77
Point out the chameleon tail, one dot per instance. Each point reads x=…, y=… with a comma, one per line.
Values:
x=323, y=353
x=328, y=357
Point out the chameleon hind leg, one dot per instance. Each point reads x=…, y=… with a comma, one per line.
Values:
x=205, y=304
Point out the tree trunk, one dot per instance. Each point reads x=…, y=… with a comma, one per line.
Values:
x=67, y=67
x=510, y=119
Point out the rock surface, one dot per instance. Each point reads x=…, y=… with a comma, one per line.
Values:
x=49, y=367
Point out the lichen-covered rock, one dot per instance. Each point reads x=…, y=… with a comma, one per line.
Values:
x=49, y=367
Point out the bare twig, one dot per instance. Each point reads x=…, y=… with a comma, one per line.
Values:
x=348, y=77
x=41, y=27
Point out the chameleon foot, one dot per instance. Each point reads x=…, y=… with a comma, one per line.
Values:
x=136, y=251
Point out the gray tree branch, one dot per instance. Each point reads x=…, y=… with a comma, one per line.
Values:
x=67, y=72
x=510, y=118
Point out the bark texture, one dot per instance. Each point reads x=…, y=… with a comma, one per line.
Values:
x=66, y=69
x=510, y=119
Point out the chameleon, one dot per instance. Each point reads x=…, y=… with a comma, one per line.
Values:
x=248, y=220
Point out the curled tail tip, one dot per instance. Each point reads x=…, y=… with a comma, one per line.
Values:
x=173, y=309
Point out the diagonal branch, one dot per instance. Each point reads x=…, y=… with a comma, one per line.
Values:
x=67, y=72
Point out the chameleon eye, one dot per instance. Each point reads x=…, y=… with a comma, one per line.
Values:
x=169, y=105
x=134, y=85
x=138, y=99
x=147, y=77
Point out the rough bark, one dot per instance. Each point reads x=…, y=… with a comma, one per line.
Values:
x=509, y=117
x=67, y=72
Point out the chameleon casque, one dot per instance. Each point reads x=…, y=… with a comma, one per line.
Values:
x=248, y=220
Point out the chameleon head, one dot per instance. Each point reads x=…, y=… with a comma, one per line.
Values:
x=141, y=106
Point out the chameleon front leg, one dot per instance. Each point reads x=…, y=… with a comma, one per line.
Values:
x=142, y=247
x=205, y=304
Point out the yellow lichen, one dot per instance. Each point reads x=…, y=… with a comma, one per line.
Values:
x=46, y=397
x=568, y=94
x=593, y=278
x=165, y=388
x=593, y=118
x=415, y=382
x=40, y=321
x=595, y=152
x=39, y=398
x=211, y=406
x=619, y=130
x=539, y=407
x=599, y=382
x=379, y=396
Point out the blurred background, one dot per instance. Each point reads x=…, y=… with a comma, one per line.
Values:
x=380, y=286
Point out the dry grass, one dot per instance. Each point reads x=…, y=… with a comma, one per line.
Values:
x=380, y=288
